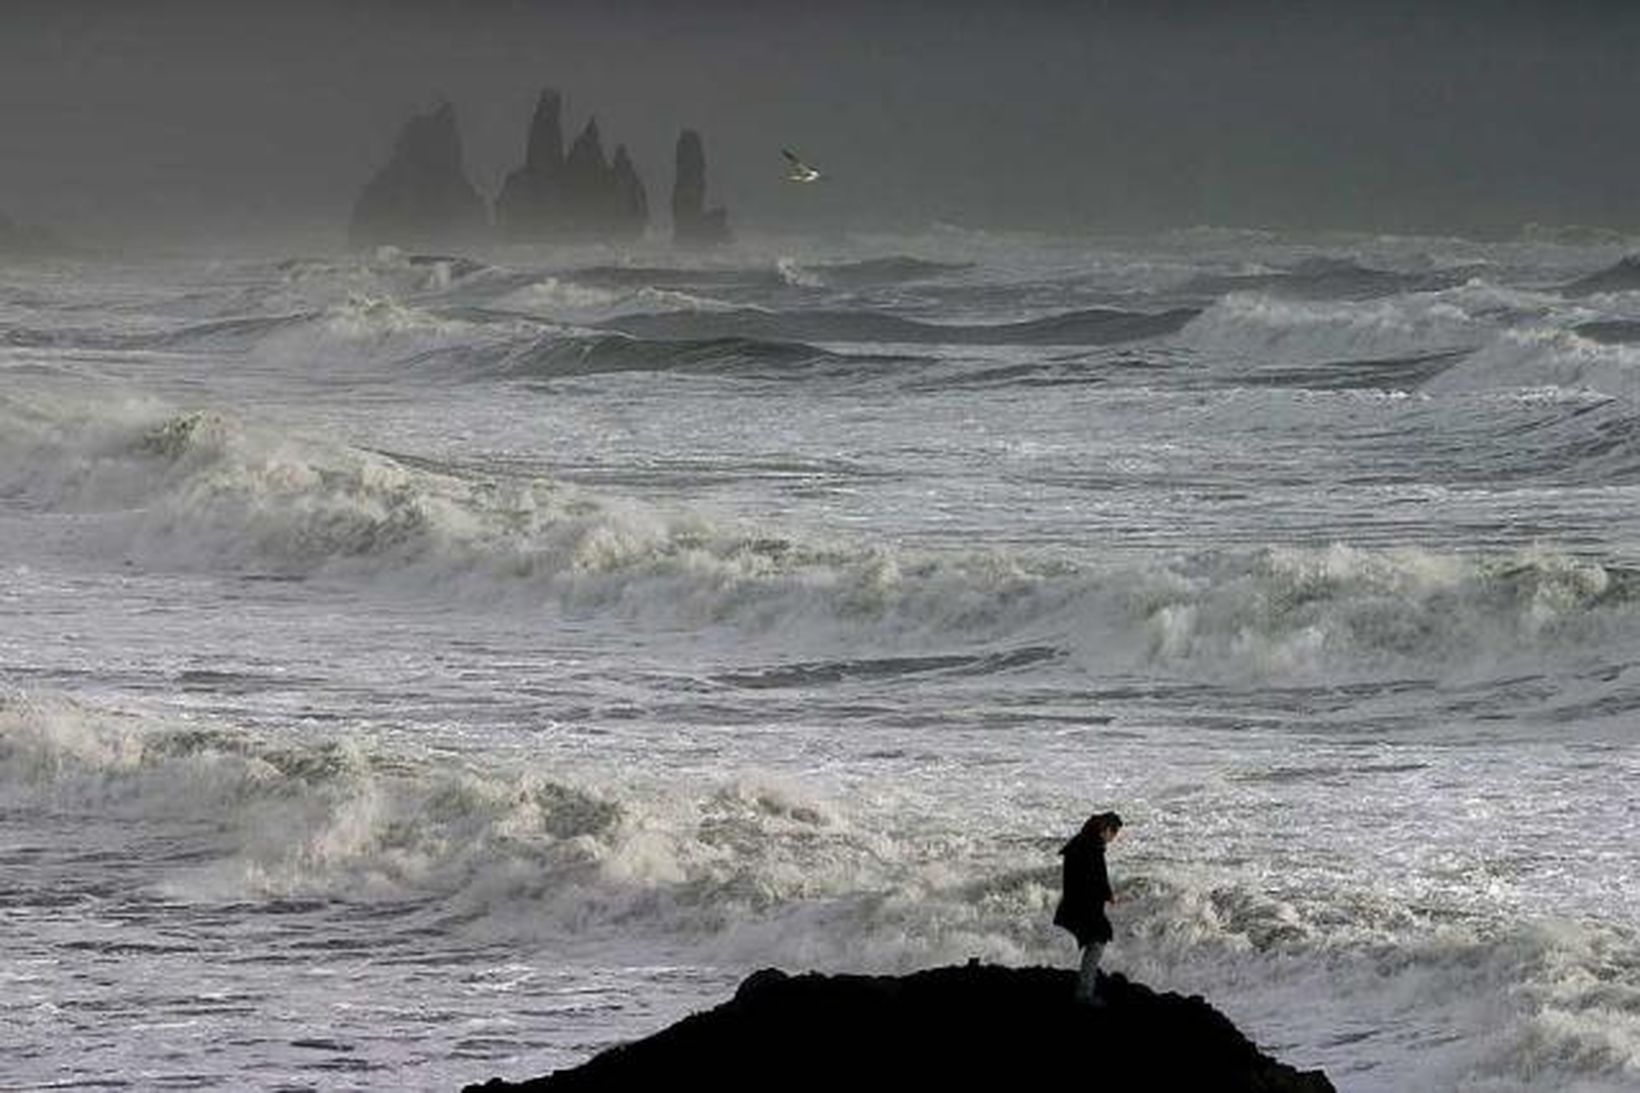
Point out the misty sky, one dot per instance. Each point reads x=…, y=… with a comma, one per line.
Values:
x=160, y=120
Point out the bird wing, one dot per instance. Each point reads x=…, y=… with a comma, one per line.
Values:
x=791, y=155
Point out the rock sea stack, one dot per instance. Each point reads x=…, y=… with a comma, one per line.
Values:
x=421, y=197
x=693, y=224
x=580, y=196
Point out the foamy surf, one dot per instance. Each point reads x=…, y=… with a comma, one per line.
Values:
x=1452, y=986
x=402, y=630
x=203, y=490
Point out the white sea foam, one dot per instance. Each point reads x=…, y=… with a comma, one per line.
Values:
x=379, y=330
x=540, y=852
x=387, y=270
x=559, y=297
x=205, y=489
x=564, y=300
x=1511, y=339
x=734, y=869
x=1269, y=329
x=1547, y=357
x=1318, y=613
x=1397, y=1000
x=794, y=273
x=807, y=674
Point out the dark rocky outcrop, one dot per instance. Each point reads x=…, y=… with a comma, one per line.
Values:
x=576, y=197
x=974, y=1027
x=530, y=199
x=422, y=196
x=631, y=203
x=693, y=224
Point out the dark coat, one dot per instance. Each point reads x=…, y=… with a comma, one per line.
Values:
x=1086, y=890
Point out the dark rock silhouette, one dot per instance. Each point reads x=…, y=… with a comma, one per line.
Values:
x=531, y=201
x=585, y=167
x=422, y=195
x=544, y=151
x=974, y=1027
x=692, y=223
x=631, y=204
x=578, y=197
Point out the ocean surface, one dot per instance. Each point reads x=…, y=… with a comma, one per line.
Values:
x=416, y=669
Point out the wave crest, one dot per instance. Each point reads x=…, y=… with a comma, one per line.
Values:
x=1096, y=326
x=732, y=870
x=1321, y=612
x=204, y=489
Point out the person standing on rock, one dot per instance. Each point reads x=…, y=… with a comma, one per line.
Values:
x=1085, y=892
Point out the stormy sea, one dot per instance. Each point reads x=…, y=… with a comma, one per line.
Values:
x=420, y=668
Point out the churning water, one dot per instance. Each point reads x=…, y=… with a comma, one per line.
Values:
x=415, y=669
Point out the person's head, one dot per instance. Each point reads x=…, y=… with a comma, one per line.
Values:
x=1104, y=825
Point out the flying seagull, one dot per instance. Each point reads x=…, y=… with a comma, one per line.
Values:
x=800, y=172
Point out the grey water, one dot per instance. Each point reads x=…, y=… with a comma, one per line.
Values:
x=415, y=670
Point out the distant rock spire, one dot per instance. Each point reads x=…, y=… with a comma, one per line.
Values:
x=587, y=184
x=573, y=197
x=422, y=195
x=630, y=214
x=692, y=223
x=545, y=151
x=530, y=205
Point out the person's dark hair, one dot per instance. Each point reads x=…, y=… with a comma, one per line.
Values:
x=1101, y=822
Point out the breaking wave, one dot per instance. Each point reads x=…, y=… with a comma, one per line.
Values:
x=554, y=357
x=676, y=277
x=388, y=269
x=1270, y=330
x=1546, y=357
x=1323, y=278
x=360, y=330
x=866, y=273
x=526, y=850
x=1610, y=331
x=1473, y=338
x=203, y=489
x=733, y=869
x=1389, y=374
x=573, y=301
x=1096, y=326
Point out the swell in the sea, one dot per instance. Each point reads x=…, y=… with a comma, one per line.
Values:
x=205, y=490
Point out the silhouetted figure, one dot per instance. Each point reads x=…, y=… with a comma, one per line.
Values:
x=1085, y=892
